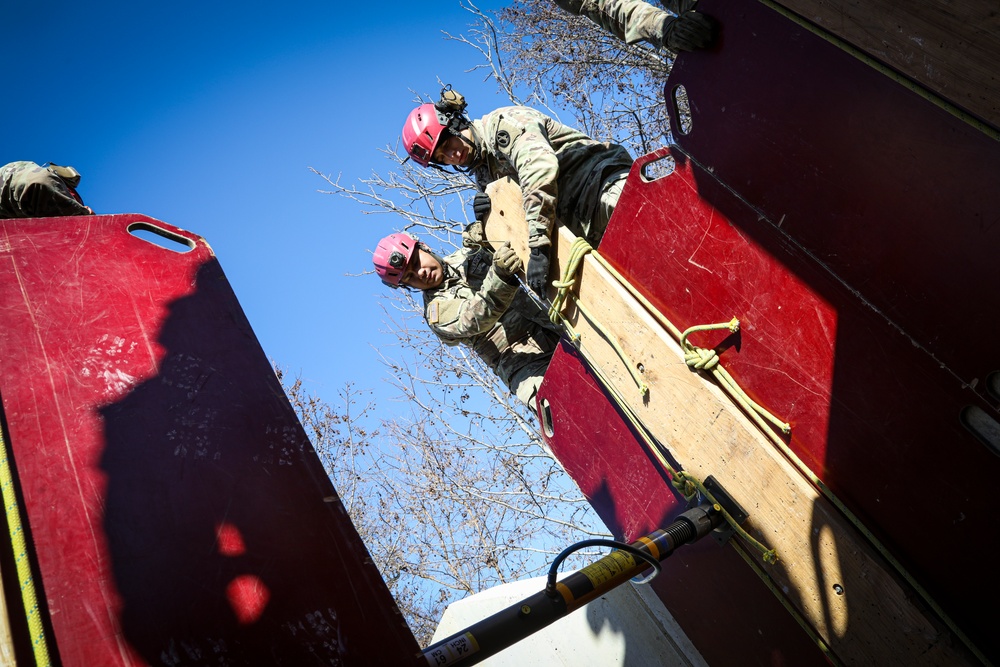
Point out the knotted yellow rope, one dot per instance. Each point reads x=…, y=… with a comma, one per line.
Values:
x=708, y=360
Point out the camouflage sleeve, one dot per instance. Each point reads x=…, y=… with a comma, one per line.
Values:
x=629, y=20
x=458, y=316
x=537, y=168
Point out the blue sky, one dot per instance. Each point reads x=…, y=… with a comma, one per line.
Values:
x=209, y=115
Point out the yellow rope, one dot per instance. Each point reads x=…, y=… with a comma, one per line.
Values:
x=708, y=360
x=578, y=251
x=17, y=539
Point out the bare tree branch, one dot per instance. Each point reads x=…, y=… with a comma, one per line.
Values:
x=456, y=492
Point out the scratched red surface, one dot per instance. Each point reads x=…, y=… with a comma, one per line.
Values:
x=852, y=227
x=177, y=512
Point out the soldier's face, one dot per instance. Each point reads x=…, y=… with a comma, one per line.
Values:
x=423, y=271
x=453, y=151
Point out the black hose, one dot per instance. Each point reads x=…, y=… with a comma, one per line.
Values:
x=550, y=586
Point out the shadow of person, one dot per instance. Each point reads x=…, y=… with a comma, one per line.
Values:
x=226, y=539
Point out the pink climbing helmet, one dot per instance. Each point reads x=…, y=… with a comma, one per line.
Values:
x=392, y=255
x=422, y=132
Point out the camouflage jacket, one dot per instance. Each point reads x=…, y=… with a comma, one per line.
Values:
x=560, y=169
x=28, y=190
x=501, y=323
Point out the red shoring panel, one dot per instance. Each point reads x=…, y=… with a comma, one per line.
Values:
x=855, y=238
x=178, y=512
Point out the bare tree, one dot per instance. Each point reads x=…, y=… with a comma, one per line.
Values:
x=454, y=497
x=458, y=493
x=613, y=90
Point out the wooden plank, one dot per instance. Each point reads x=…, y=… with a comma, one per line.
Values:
x=820, y=551
x=951, y=47
x=7, y=657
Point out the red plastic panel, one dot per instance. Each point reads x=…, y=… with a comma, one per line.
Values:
x=178, y=513
x=852, y=227
x=876, y=417
x=890, y=193
x=722, y=606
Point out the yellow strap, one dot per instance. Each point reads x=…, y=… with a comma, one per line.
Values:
x=18, y=541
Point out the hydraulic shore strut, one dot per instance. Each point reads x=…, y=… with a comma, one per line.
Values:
x=506, y=627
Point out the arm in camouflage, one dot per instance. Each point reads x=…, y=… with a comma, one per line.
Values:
x=458, y=313
x=534, y=158
x=629, y=20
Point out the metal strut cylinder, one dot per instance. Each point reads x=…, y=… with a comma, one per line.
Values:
x=507, y=627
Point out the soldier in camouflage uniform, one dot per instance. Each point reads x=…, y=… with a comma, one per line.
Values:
x=28, y=190
x=635, y=20
x=472, y=297
x=562, y=172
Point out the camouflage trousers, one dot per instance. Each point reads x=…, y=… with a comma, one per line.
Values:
x=528, y=379
x=611, y=192
x=28, y=190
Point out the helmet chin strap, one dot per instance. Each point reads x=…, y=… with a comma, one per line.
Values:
x=474, y=143
x=471, y=142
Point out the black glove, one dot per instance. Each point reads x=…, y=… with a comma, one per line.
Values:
x=481, y=205
x=538, y=269
x=689, y=31
x=678, y=7
x=506, y=263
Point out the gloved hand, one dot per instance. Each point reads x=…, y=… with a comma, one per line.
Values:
x=473, y=235
x=506, y=263
x=538, y=269
x=689, y=31
x=481, y=205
